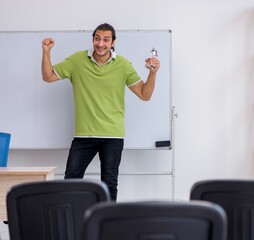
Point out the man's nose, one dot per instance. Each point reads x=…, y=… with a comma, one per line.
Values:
x=100, y=42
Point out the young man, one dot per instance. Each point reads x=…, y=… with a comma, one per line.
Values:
x=98, y=77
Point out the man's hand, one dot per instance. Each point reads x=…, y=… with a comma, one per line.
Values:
x=153, y=64
x=47, y=44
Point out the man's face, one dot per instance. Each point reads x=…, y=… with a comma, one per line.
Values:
x=102, y=42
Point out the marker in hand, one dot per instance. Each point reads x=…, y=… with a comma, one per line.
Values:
x=154, y=55
x=154, y=52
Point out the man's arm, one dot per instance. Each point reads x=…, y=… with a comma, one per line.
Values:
x=48, y=73
x=144, y=90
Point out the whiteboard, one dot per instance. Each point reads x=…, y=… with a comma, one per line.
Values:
x=40, y=115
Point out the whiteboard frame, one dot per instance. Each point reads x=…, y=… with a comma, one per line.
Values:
x=118, y=31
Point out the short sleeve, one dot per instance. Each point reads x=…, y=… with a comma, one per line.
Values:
x=132, y=75
x=64, y=68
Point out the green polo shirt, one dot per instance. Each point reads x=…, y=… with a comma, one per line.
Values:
x=99, y=93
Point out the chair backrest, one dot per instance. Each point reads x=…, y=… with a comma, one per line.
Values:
x=51, y=210
x=4, y=148
x=237, y=199
x=155, y=221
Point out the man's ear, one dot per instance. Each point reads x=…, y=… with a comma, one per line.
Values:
x=113, y=44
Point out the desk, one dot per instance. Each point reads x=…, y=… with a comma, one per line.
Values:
x=10, y=176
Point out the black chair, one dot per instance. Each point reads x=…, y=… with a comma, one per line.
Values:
x=195, y=220
x=237, y=199
x=51, y=210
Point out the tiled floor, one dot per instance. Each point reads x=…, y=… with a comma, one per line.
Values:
x=4, y=232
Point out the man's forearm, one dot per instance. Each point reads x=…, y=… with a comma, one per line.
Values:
x=48, y=74
x=148, y=86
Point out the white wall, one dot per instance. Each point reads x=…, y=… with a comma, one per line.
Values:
x=213, y=89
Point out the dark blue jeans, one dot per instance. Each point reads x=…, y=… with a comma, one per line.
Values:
x=82, y=152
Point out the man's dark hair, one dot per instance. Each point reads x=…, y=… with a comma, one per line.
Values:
x=106, y=27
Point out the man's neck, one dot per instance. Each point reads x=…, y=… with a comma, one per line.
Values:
x=101, y=60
